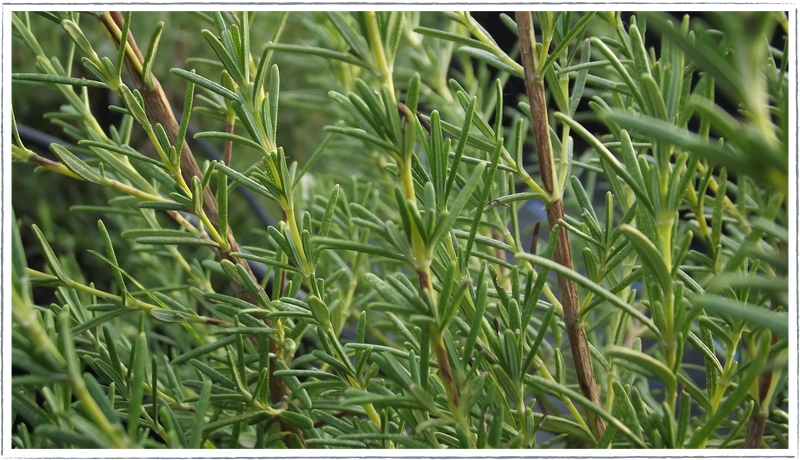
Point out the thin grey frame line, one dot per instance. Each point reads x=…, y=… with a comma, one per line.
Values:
x=499, y=3
x=797, y=222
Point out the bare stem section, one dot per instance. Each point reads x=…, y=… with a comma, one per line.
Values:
x=534, y=87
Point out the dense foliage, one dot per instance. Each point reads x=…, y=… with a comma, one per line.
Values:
x=578, y=240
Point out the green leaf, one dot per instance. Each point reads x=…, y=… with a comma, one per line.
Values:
x=623, y=404
x=455, y=38
x=333, y=243
x=205, y=83
x=753, y=315
x=582, y=197
x=565, y=41
x=133, y=104
x=126, y=26
x=121, y=149
x=364, y=136
x=437, y=157
x=462, y=142
x=247, y=331
x=145, y=232
x=49, y=256
x=640, y=61
x=394, y=33
x=487, y=187
x=232, y=138
x=163, y=205
x=684, y=418
x=200, y=416
x=355, y=39
x=477, y=320
x=178, y=241
x=609, y=157
x=99, y=319
x=655, y=367
x=202, y=350
x=402, y=439
x=546, y=320
x=615, y=62
x=267, y=261
x=657, y=107
x=708, y=354
x=580, y=80
x=294, y=384
x=458, y=205
x=101, y=398
x=703, y=52
x=281, y=241
x=68, y=437
x=592, y=286
x=320, y=52
x=19, y=264
x=274, y=85
x=76, y=34
x=650, y=256
x=137, y=386
x=213, y=374
x=320, y=311
x=150, y=57
x=560, y=390
x=76, y=165
x=493, y=60
x=246, y=181
x=735, y=397
x=249, y=121
x=692, y=143
x=209, y=428
x=227, y=60
x=326, y=442
x=716, y=219
x=296, y=420
x=57, y=79
x=325, y=225
x=333, y=362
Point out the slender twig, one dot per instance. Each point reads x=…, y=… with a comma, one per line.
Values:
x=555, y=212
x=758, y=421
x=159, y=110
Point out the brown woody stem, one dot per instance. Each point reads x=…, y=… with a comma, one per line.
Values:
x=555, y=211
x=158, y=110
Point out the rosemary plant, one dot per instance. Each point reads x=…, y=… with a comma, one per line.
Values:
x=579, y=240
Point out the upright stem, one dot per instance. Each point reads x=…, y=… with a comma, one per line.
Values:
x=765, y=389
x=376, y=46
x=159, y=110
x=555, y=211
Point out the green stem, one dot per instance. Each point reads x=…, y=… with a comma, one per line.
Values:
x=384, y=69
x=460, y=415
x=478, y=33
x=523, y=420
x=25, y=316
x=723, y=382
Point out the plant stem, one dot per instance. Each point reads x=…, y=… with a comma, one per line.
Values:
x=478, y=33
x=763, y=393
x=376, y=45
x=159, y=111
x=555, y=211
x=423, y=256
x=25, y=316
x=724, y=381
